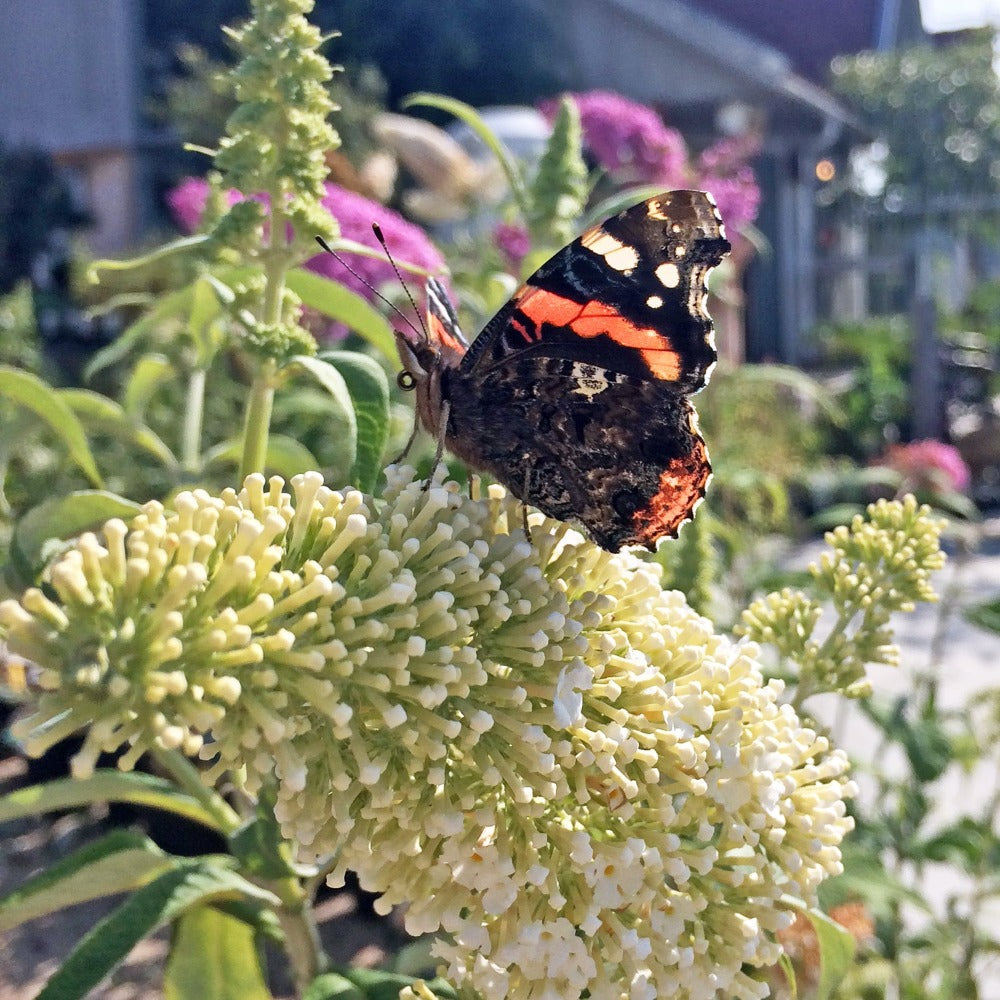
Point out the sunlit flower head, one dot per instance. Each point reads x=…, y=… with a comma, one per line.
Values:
x=530, y=743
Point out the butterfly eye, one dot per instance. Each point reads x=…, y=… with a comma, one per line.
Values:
x=406, y=381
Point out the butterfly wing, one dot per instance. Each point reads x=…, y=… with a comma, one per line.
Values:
x=575, y=395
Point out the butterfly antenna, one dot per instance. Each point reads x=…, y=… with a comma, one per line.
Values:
x=377, y=230
x=392, y=305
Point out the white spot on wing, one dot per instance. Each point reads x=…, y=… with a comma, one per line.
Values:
x=616, y=254
x=654, y=302
x=668, y=275
x=623, y=259
x=590, y=380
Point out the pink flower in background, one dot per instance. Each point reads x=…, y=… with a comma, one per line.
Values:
x=355, y=214
x=408, y=243
x=723, y=170
x=513, y=242
x=931, y=464
x=632, y=143
x=188, y=199
x=629, y=139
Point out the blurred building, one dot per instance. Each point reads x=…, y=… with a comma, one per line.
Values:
x=70, y=85
x=716, y=67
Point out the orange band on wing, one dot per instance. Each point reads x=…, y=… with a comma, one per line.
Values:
x=682, y=485
x=439, y=333
x=595, y=318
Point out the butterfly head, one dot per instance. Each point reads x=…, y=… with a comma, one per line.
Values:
x=422, y=367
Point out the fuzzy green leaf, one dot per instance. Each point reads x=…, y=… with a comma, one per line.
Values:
x=191, y=882
x=173, y=305
x=214, y=956
x=334, y=300
x=985, y=615
x=335, y=384
x=149, y=372
x=38, y=396
x=369, y=388
x=61, y=518
x=285, y=456
x=103, y=786
x=332, y=986
x=836, y=952
x=120, y=862
x=104, y=414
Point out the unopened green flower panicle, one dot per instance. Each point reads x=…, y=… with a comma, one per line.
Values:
x=544, y=754
x=875, y=567
x=559, y=189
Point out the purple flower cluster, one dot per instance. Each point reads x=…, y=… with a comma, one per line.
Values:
x=629, y=139
x=723, y=170
x=931, y=464
x=355, y=215
x=632, y=143
x=513, y=241
x=187, y=202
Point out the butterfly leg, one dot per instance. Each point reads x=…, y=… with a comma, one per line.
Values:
x=409, y=442
x=524, y=503
x=439, y=450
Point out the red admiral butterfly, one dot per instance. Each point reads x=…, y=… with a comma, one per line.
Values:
x=575, y=395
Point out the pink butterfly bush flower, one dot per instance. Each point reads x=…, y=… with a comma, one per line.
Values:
x=513, y=241
x=633, y=144
x=723, y=170
x=355, y=215
x=629, y=139
x=931, y=464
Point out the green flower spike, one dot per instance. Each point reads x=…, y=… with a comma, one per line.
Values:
x=874, y=568
x=543, y=754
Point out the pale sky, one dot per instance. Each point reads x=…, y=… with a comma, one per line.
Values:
x=950, y=15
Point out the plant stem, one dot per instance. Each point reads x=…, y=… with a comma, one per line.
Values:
x=187, y=777
x=258, y=416
x=258, y=419
x=193, y=413
x=302, y=944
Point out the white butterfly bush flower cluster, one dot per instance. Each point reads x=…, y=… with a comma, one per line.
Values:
x=548, y=758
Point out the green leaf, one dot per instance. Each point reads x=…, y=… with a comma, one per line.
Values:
x=214, y=956
x=120, y=862
x=258, y=844
x=468, y=114
x=985, y=615
x=285, y=456
x=167, y=250
x=173, y=305
x=966, y=845
x=789, y=970
x=61, y=518
x=334, y=300
x=204, y=319
x=332, y=986
x=149, y=372
x=192, y=882
x=377, y=984
x=369, y=388
x=104, y=786
x=39, y=397
x=104, y=414
x=335, y=384
x=836, y=952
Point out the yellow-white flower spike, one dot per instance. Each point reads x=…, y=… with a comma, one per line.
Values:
x=531, y=744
